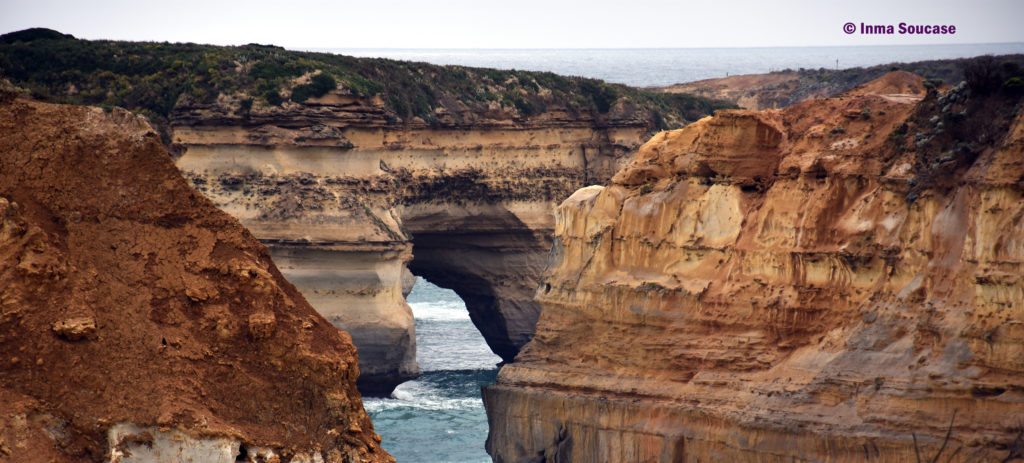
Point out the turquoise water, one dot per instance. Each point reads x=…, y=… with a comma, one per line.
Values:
x=439, y=417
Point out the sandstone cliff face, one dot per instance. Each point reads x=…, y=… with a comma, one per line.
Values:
x=836, y=281
x=138, y=323
x=346, y=200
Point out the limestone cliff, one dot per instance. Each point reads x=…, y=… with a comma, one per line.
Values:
x=346, y=201
x=138, y=323
x=839, y=280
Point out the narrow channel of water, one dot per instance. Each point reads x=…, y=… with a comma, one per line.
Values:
x=440, y=416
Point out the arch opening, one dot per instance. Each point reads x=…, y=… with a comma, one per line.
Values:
x=495, y=271
x=439, y=415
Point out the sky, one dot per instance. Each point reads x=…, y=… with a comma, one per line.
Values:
x=516, y=24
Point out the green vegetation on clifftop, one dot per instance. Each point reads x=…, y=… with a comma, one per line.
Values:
x=152, y=78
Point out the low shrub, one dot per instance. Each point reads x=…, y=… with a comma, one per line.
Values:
x=1014, y=85
x=983, y=75
x=318, y=86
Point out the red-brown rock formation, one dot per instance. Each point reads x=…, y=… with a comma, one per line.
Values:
x=140, y=323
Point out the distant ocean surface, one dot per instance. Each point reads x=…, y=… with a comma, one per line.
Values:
x=666, y=66
x=439, y=418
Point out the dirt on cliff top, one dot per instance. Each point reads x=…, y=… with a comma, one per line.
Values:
x=126, y=297
x=892, y=83
x=744, y=90
x=783, y=88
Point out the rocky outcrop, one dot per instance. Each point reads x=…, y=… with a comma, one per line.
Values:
x=835, y=281
x=346, y=201
x=138, y=323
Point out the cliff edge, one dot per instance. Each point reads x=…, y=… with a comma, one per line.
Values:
x=138, y=323
x=839, y=280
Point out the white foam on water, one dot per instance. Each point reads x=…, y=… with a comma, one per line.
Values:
x=439, y=310
x=421, y=396
x=439, y=418
x=430, y=302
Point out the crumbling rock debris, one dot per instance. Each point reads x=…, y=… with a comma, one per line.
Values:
x=75, y=329
x=261, y=325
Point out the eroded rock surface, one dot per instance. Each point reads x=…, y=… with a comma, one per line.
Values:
x=346, y=200
x=140, y=323
x=836, y=281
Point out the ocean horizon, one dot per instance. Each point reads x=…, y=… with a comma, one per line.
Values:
x=655, y=67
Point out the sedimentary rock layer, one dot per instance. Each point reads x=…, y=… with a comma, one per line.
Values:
x=836, y=281
x=346, y=201
x=139, y=323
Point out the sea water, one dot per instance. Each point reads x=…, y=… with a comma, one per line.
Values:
x=666, y=66
x=440, y=416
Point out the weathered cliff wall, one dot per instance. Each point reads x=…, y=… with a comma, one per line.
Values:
x=346, y=200
x=836, y=281
x=138, y=323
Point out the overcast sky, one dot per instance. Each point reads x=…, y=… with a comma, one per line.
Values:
x=515, y=23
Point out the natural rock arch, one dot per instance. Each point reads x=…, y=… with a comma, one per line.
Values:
x=493, y=262
x=468, y=208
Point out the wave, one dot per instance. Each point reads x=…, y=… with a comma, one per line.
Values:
x=436, y=391
x=439, y=310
